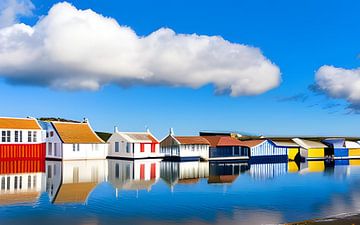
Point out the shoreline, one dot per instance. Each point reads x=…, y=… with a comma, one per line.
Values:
x=340, y=219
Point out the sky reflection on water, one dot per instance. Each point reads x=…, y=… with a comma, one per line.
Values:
x=154, y=192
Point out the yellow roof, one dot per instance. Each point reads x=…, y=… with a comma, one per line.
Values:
x=76, y=133
x=74, y=192
x=19, y=123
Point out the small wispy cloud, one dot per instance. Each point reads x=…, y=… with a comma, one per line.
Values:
x=294, y=98
x=331, y=106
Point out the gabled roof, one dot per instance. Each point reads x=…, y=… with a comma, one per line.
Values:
x=222, y=179
x=192, y=140
x=74, y=192
x=335, y=142
x=138, y=137
x=309, y=144
x=19, y=123
x=288, y=143
x=222, y=141
x=188, y=181
x=252, y=143
x=352, y=144
x=76, y=133
x=19, y=197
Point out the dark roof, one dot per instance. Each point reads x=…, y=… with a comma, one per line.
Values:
x=103, y=135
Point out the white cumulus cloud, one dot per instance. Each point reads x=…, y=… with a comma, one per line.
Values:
x=339, y=83
x=80, y=49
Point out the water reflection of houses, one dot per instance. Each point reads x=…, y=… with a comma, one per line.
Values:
x=183, y=172
x=133, y=174
x=73, y=181
x=312, y=167
x=21, y=181
x=267, y=170
x=223, y=173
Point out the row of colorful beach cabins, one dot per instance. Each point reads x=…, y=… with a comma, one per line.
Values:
x=30, y=138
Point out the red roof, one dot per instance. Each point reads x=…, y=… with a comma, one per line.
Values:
x=192, y=140
x=222, y=141
x=251, y=143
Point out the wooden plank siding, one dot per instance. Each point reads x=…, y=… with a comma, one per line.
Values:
x=22, y=151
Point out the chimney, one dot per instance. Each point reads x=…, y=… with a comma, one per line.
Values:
x=116, y=129
x=171, y=131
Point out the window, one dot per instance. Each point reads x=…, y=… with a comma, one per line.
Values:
x=29, y=136
x=8, y=183
x=3, y=183
x=128, y=146
x=117, y=170
x=3, y=136
x=20, y=182
x=49, y=148
x=76, y=147
x=16, y=136
x=117, y=146
x=20, y=138
x=34, y=136
x=49, y=171
x=55, y=149
x=15, y=182
x=8, y=136
x=34, y=181
x=29, y=182
x=127, y=172
x=51, y=133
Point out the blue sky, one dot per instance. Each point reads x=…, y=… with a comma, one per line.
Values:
x=298, y=36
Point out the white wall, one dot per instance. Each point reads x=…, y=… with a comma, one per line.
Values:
x=146, y=164
x=115, y=137
x=86, y=151
x=194, y=151
x=82, y=171
x=53, y=174
x=26, y=182
x=53, y=144
x=193, y=169
x=134, y=148
x=170, y=147
x=40, y=136
x=147, y=151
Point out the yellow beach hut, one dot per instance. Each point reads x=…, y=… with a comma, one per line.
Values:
x=354, y=149
x=293, y=149
x=311, y=150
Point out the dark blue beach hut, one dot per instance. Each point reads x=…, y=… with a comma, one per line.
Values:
x=336, y=147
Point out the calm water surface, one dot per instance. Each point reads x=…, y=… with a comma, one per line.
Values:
x=154, y=192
